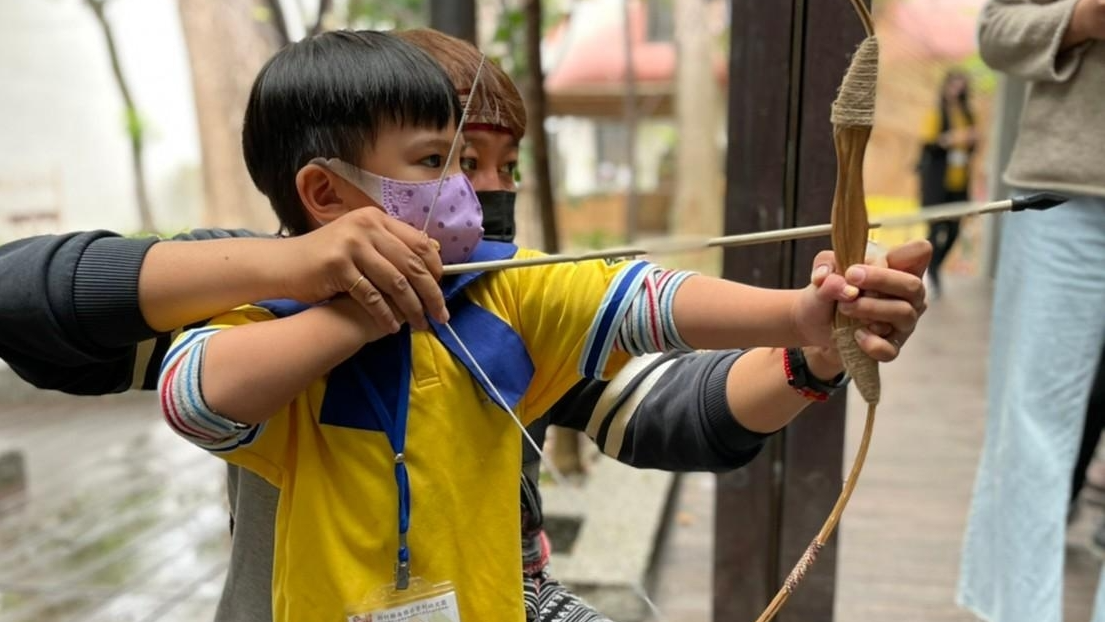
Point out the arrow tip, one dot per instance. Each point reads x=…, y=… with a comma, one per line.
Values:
x=1038, y=201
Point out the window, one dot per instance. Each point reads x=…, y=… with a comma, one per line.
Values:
x=661, y=21
x=611, y=153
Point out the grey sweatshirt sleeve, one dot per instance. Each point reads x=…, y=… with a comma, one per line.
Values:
x=1022, y=38
x=45, y=295
x=69, y=313
x=665, y=412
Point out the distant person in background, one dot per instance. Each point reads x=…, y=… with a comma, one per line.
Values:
x=949, y=140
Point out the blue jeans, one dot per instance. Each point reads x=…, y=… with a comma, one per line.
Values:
x=1045, y=342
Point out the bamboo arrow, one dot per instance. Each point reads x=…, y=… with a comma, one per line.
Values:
x=1039, y=201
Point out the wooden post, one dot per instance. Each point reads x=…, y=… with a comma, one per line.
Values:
x=455, y=17
x=786, y=61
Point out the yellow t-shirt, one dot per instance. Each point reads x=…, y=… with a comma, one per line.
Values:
x=337, y=520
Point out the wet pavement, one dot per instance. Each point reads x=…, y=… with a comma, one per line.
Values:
x=116, y=519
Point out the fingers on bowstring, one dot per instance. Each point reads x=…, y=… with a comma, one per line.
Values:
x=421, y=244
x=382, y=259
x=418, y=263
x=382, y=270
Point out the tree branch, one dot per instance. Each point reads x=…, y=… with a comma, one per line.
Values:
x=134, y=120
x=279, y=24
x=324, y=8
x=537, y=105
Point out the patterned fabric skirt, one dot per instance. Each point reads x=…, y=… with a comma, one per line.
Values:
x=549, y=601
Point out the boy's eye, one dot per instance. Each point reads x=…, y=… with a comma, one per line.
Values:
x=509, y=168
x=469, y=164
x=433, y=161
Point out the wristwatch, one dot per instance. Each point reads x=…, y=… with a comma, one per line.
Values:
x=804, y=382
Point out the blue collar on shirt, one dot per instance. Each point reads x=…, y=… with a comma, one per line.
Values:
x=370, y=379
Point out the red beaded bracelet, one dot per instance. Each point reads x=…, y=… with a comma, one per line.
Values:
x=800, y=385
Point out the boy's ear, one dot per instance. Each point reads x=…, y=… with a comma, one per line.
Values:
x=323, y=194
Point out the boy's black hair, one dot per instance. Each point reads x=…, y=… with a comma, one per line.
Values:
x=328, y=96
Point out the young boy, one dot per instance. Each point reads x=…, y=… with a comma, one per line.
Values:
x=666, y=412
x=303, y=401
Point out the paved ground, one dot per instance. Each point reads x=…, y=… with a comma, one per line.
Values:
x=121, y=521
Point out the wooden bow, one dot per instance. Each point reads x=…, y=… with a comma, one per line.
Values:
x=852, y=117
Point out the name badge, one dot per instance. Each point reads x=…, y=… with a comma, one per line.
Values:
x=419, y=602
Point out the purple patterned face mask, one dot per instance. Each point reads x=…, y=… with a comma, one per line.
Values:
x=456, y=221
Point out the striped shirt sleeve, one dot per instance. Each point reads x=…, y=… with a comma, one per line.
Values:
x=583, y=320
x=615, y=305
x=636, y=317
x=181, y=393
x=649, y=326
x=665, y=412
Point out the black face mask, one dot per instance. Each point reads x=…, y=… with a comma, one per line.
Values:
x=498, y=214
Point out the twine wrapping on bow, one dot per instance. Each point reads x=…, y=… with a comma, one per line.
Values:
x=853, y=115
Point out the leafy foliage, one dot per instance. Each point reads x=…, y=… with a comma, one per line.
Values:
x=136, y=126
x=510, y=35
x=388, y=14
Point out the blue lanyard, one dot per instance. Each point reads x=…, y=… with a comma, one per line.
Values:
x=394, y=422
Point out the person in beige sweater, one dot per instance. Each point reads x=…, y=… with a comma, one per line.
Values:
x=1048, y=314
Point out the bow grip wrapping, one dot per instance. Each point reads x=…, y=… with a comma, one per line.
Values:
x=853, y=115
